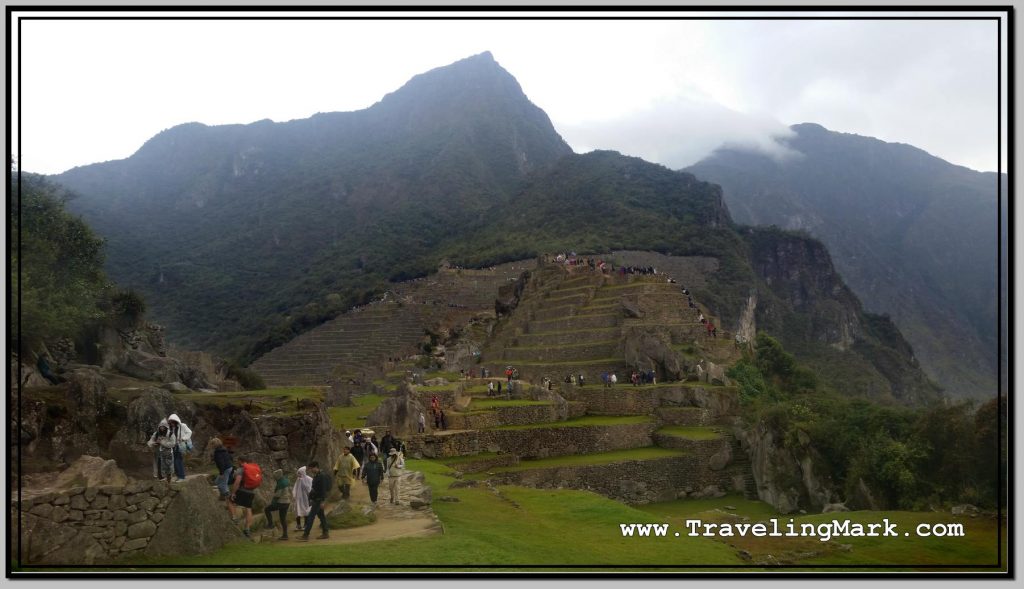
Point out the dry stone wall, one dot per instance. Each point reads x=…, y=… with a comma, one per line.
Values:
x=88, y=525
x=536, y=442
x=631, y=481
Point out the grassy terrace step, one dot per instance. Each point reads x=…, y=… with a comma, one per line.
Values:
x=691, y=432
x=647, y=453
x=566, y=337
x=488, y=404
x=588, y=421
x=576, y=322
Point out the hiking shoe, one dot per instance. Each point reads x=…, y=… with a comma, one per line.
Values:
x=285, y=537
x=303, y=538
x=323, y=536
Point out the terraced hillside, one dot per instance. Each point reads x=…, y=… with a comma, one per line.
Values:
x=636, y=443
x=363, y=338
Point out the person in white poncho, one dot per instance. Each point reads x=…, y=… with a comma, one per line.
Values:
x=183, y=435
x=300, y=495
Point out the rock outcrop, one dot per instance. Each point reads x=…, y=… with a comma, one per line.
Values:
x=91, y=471
x=786, y=477
x=400, y=413
x=645, y=350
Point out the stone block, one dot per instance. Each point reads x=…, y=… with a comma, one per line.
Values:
x=157, y=517
x=137, y=498
x=59, y=514
x=132, y=508
x=137, y=516
x=100, y=502
x=120, y=515
x=75, y=491
x=135, y=544
x=61, y=500
x=107, y=515
x=79, y=502
x=118, y=540
x=149, y=504
x=90, y=493
x=143, y=529
x=111, y=490
x=138, y=487
x=76, y=515
x=42, y=510
x=116, y=502
x=120, y=528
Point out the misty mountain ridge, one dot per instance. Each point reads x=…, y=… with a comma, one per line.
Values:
x=912, y=234
x=241, y=236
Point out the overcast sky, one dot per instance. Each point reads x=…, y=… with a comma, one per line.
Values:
x=667, y=91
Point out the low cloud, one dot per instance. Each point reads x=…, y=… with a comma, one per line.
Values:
x=679, y=132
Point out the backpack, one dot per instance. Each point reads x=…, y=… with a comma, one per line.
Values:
x=252, y=476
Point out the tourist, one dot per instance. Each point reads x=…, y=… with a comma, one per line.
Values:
x=345, y=471
x=279, y=503
x=710, y=327
x=222, y=459
x=248, y=478
x=357, y=453
x=163, y=444
x=581, y=379
x=437, y=419
x=435, y=403
x=183, y=435
x=371, y=446
x=613, y=380
x=348, y=436
x=490, y=388
x=373, y=473
x=421, y=424
x=387, y=442
x=300, y=494
x=393, y=472
x=499, y=388
x=318, y=493
x=444, y=423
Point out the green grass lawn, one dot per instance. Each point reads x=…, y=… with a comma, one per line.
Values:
x=648, y=453
x=589, y=420
x=690, y=433
x=349, y=417
x=518, y=527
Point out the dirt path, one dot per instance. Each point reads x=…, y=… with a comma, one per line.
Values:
x=393, y=521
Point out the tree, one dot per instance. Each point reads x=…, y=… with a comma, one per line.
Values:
x=57, y=274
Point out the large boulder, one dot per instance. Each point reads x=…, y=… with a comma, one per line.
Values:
x=91, y=471
x=399, y=413
x=645, y=350
x=147, y=366
x=195, y=522
x=786, y=477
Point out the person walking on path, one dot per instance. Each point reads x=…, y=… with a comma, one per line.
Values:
x=393, y=472
x=317, y=496
x=183, y=435
x=373, y=473
x=344, y=471
x=279, y=503
x=248, y=478
x=163, y=443
x=421, y=424
x=222, y=459
x=300, y=495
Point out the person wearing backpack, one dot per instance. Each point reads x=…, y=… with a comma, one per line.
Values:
x=183, y=435
x=317, y=496
x=248, y=478
x=223, y=462
x=279, y=503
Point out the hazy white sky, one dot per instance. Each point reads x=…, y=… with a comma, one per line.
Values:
x=669, y=91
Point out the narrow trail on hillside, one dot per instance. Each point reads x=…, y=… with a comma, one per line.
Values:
x=393, y=521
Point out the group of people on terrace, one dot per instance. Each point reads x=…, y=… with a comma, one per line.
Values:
x=239, y=480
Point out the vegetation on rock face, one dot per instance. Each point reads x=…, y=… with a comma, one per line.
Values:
x=913, y=457
x=57, y=280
